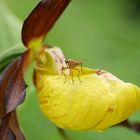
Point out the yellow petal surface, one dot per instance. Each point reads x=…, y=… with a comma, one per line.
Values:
x=96, y=103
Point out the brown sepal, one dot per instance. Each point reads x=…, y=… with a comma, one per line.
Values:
x=41, y=19
x=14, y=126
x=12, y=85
x=5, y=132
x=12, y=93
x=9, y=128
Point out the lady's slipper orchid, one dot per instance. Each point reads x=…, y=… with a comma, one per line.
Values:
x=71, y=97
x=12, y=84
x=99, y=101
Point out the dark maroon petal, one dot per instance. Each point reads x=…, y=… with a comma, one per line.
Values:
x=41, y=19
x=12, y=85
x=4, y=83
x=9, y=128
x=12, y=93
x=14, y=126
x=4, y=129
x=10, y=135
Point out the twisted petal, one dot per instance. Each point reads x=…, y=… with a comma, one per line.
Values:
x=12, y=93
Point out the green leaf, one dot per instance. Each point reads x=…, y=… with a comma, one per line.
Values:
x=16, y=6
x=9, y=55
x=10, y=28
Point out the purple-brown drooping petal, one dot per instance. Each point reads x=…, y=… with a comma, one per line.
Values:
x=14, y=126
x=41, y=19
x=9, y=128
x=12, y=85
x=12, y=93
x=5, y=133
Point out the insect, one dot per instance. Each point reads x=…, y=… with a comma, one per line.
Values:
x=71, y=65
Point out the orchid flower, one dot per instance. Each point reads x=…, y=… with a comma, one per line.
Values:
x=71, y=96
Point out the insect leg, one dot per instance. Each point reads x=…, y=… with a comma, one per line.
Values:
x=82, y=68
x=78, y=74
x=65, y=78
x=62, y=72
x=71, y=73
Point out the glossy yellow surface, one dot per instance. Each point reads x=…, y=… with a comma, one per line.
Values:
x=96, y=103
